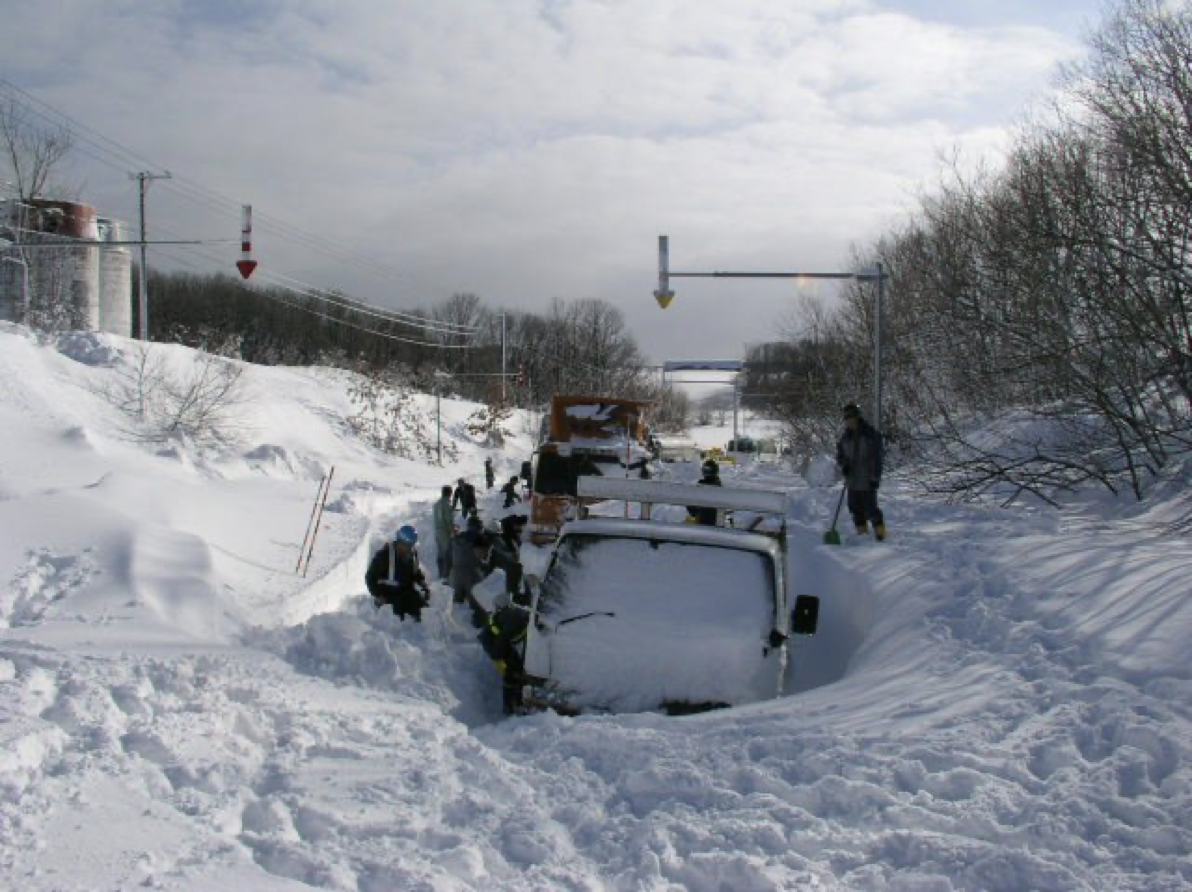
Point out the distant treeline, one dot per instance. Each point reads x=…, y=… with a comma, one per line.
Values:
x=580, y=346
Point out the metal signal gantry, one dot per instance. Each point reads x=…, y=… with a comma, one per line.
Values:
x=664, y=295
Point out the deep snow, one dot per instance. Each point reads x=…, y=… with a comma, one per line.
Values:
x=998, y=699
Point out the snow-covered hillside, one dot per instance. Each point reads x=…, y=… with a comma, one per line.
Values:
x=998, y=699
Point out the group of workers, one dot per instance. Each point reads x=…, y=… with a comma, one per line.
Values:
x=466, y=553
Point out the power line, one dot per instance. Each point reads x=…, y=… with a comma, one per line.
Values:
x=297, y=306
x=372, y=331
x=220, y=204
x=357, y=306
x=71, y=242
x=60, y=240
x=454, y=328
x=121, y=157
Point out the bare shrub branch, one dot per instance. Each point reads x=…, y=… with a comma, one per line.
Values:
x=202, y=406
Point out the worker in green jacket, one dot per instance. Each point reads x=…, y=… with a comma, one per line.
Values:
x=444, y=518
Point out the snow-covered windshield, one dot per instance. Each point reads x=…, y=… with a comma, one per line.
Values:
x=669, y=622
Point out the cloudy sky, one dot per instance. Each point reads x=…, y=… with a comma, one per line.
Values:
x=529, y=150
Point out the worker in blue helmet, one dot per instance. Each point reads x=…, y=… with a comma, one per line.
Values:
x=395, y=577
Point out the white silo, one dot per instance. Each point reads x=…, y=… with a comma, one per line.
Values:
x=67, y=276
x=115, y=278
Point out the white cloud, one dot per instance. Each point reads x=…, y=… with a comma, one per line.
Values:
x=525, y=150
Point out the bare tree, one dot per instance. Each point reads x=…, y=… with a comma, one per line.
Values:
x=670, y=409
x=490, y=423
x=386, y=415
x=202, y=405
x=32, y=149
x=805, y=379
x=1055, y=294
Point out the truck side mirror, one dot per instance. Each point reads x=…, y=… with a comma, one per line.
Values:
x=805, y=616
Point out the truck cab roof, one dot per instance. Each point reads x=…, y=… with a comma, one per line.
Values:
x=692, y=534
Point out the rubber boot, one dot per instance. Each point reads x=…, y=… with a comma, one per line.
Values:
x=879, y=531
x=863, y=528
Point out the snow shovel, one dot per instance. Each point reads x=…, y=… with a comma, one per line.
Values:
x=832, y=537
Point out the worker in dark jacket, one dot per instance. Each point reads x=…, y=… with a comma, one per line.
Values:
x=509, y=490
x=710, y=476
x=394, y=576
x=490, y=476
x=859, y=458
x=465, y=498
x=506, y=553
x=470, y=563
x=503, y=638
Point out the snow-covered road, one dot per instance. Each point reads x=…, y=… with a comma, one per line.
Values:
x=998, y=699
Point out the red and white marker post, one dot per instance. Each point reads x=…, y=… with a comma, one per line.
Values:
x=246, y=264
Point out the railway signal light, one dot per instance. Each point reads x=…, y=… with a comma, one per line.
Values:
x=246, y=264
x=664, y=295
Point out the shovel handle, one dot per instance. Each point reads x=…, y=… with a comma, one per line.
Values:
x=839, y=503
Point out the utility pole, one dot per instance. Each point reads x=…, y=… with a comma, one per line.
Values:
x=439, y=376
x=877, y=348
x=503, y=397
x=736, y=409
x=143, y=178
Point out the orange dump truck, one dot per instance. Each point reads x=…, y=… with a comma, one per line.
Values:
x=584, y=436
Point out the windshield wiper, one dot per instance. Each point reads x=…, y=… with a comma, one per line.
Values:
x=572, y=619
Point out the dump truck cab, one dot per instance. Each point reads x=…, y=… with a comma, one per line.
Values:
x=644, y=614
x=584, y=436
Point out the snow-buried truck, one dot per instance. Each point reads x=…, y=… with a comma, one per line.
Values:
x=640, y=615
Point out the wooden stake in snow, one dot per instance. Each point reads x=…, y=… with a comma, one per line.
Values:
x=312, y=525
